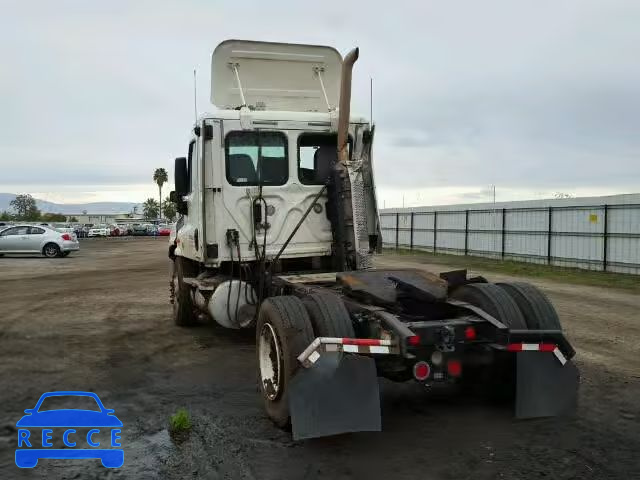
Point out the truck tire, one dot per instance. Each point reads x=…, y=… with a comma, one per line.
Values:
x=329, y=317
x=283, y=331
x=498, y=380
x=183, y=309
x=493, y=300
x=537, y=310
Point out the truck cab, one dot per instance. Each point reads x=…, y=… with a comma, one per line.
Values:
x=255, y=165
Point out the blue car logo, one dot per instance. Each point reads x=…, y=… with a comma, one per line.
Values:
x=36, y=429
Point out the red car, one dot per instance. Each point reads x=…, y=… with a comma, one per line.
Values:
x=164, y=230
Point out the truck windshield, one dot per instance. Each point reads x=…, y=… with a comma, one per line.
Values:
x=256, y=157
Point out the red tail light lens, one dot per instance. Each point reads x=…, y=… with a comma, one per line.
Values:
x=421, y=371
x=414, y=340
x=470, y=333
x=454, y=368
x=66, y=236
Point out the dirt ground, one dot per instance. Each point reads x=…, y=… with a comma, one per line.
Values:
x=100, y=321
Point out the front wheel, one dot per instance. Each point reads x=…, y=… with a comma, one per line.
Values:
x=51, y=250
x=283, y=331
x=183, y=309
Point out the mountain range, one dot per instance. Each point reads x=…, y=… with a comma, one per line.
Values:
x=73, y=208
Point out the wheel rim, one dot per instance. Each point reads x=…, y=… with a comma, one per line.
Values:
x=50, y=251
x=270, y=361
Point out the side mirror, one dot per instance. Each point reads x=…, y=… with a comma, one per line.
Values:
x=29, y=410
x=181, y=180
x=181, y=176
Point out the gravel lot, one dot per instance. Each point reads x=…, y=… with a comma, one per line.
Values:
x=100, y=321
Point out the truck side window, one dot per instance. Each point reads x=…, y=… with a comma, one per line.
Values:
x=192, y=146
x=252, y=158
x=316, y=151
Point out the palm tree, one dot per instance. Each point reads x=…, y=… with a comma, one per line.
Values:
x=150, y=209
x=169, y=209
x=160, y=177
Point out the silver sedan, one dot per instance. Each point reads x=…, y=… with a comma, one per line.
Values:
x=38, y=239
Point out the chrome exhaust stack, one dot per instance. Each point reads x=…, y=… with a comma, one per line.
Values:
x=344, y=104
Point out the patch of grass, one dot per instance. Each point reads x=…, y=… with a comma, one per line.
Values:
x=180, y=422
x=561, y=274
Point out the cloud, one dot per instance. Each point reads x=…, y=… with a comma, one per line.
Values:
x=531, y=97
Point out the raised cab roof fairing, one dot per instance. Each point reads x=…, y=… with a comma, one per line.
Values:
x=275, y=76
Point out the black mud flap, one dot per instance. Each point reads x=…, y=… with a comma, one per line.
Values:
x=337, y=394
x=545, y=387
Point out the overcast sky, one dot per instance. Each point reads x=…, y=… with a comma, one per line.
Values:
x=534, y=97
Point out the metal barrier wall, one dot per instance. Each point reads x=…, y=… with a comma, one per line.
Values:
x=602, y=237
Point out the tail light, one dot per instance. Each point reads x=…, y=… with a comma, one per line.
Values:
x=470, y=333
x=413, y=340
x=66, y=236
x=454, y=368
x=421, y=371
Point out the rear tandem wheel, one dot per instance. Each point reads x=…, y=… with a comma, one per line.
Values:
x=283, y=331
x=329, y=317
x=498, y=380
x=538, y=311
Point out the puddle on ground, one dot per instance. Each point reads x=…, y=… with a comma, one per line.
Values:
x=145, y=456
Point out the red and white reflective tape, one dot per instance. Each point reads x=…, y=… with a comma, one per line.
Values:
x=348, y=345
x=538, y=347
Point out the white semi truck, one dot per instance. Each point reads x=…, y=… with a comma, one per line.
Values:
x=277, y=232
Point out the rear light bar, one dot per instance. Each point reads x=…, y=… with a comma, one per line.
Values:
x=538, y=347
x=348, y=345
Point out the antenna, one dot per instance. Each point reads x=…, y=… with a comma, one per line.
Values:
x=195, y=97
x=371, y=100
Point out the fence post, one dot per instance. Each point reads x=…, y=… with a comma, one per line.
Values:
x=504, y=216
x=411, y=233
x=435, y=231
x=549, y=231
x=397, y=229
x=606, y=238
x=466, y=232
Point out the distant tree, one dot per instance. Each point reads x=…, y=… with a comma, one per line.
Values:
x=150, y=209
x=161, y=177
x=25, y=207
x=54, y=217
x=134, y=210
x=169, y=209
x=84, y=212
x=5, y=216
x=562, y=195
x=73, y=219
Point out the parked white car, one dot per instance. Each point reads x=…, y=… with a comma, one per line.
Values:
x=99, y=231
x=38, y=239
